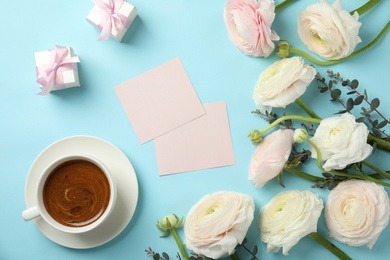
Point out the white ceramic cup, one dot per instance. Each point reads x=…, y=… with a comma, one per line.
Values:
x=39, y=209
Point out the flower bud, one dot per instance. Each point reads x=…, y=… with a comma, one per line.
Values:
x=282, y=50
x=169, y=222
x=300, y=135
x=255, y=136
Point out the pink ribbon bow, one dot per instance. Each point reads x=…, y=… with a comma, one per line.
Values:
x=112, y=18
x=47, y=77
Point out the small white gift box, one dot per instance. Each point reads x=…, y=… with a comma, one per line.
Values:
x=56, y=69
x=112, y=17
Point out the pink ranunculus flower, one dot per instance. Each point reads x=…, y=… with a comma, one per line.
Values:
x=328, y=30
x=249, y=26
x=357, y=212
x=270, y=156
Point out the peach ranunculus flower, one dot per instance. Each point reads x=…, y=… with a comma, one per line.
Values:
x=341, y=141
x=249, y=26
x=357, y=212
x=288, y=217
x=217, y=223
x=282, y=83
x=328, y=30
x=270, y=156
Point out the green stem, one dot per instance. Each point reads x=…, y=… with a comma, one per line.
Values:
x=331, y=62
x=234, y=256
x=283, y=118
x=382, y=144
x=366, y=7
x=360, y=177
x=310, y=112
x=378, y=170
x=303, y=175
x=282, y=5
x=328, y=245
x=318, y=160
x=179, y=244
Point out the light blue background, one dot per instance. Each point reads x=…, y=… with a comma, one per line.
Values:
x=194, y=31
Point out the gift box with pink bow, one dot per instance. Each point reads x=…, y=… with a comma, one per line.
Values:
x=112, y=17
x=56, y=69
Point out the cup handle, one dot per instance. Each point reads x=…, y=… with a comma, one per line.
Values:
x=30, y=213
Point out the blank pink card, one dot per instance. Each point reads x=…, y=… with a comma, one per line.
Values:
x=159, y=100
x=200, y=144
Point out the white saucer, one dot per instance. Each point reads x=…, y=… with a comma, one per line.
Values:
x=123, y=173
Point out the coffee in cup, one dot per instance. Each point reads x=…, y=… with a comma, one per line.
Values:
x=75, y=194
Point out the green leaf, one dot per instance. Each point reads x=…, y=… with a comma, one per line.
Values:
x=377, y=133
x=350, y=104
x=341, y=112
x=375, y=123
x=360, y=119
x=255, y=250
x=244, y=241
x=288, y=123
x=330, y=84
x=165, y=256
x=331, y=184
x=382, y=124
x=354, y=84
x=365, y=94
x=350, y=92
x=323, y=89
x=335, y=94
x=358, y=100
x=374, y=104
x=156, y=256
x=344, y=83
x=327, y=175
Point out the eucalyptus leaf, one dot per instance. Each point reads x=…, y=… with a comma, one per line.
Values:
x=382, y=124
x=323, y=89
x=377, y=133
x=350, y=104
x=374, y=104
x=354, y=84
x=360, y=119
x=335, y=94
x=358, y=100
x=165, y=256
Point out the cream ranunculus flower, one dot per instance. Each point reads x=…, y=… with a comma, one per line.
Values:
x=328, y=30
x=217, y=223
x=341, y=141
x=282, y=83
x=270, y=156
x=249, y=26
x=357, y=212
x=288, y=217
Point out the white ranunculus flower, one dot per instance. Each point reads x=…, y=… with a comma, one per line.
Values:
x=341, y=141
x=217, y=223
x=328, y=30
x=288, y=217
x=270, y=156
x=357, y=212
x=282, y=83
